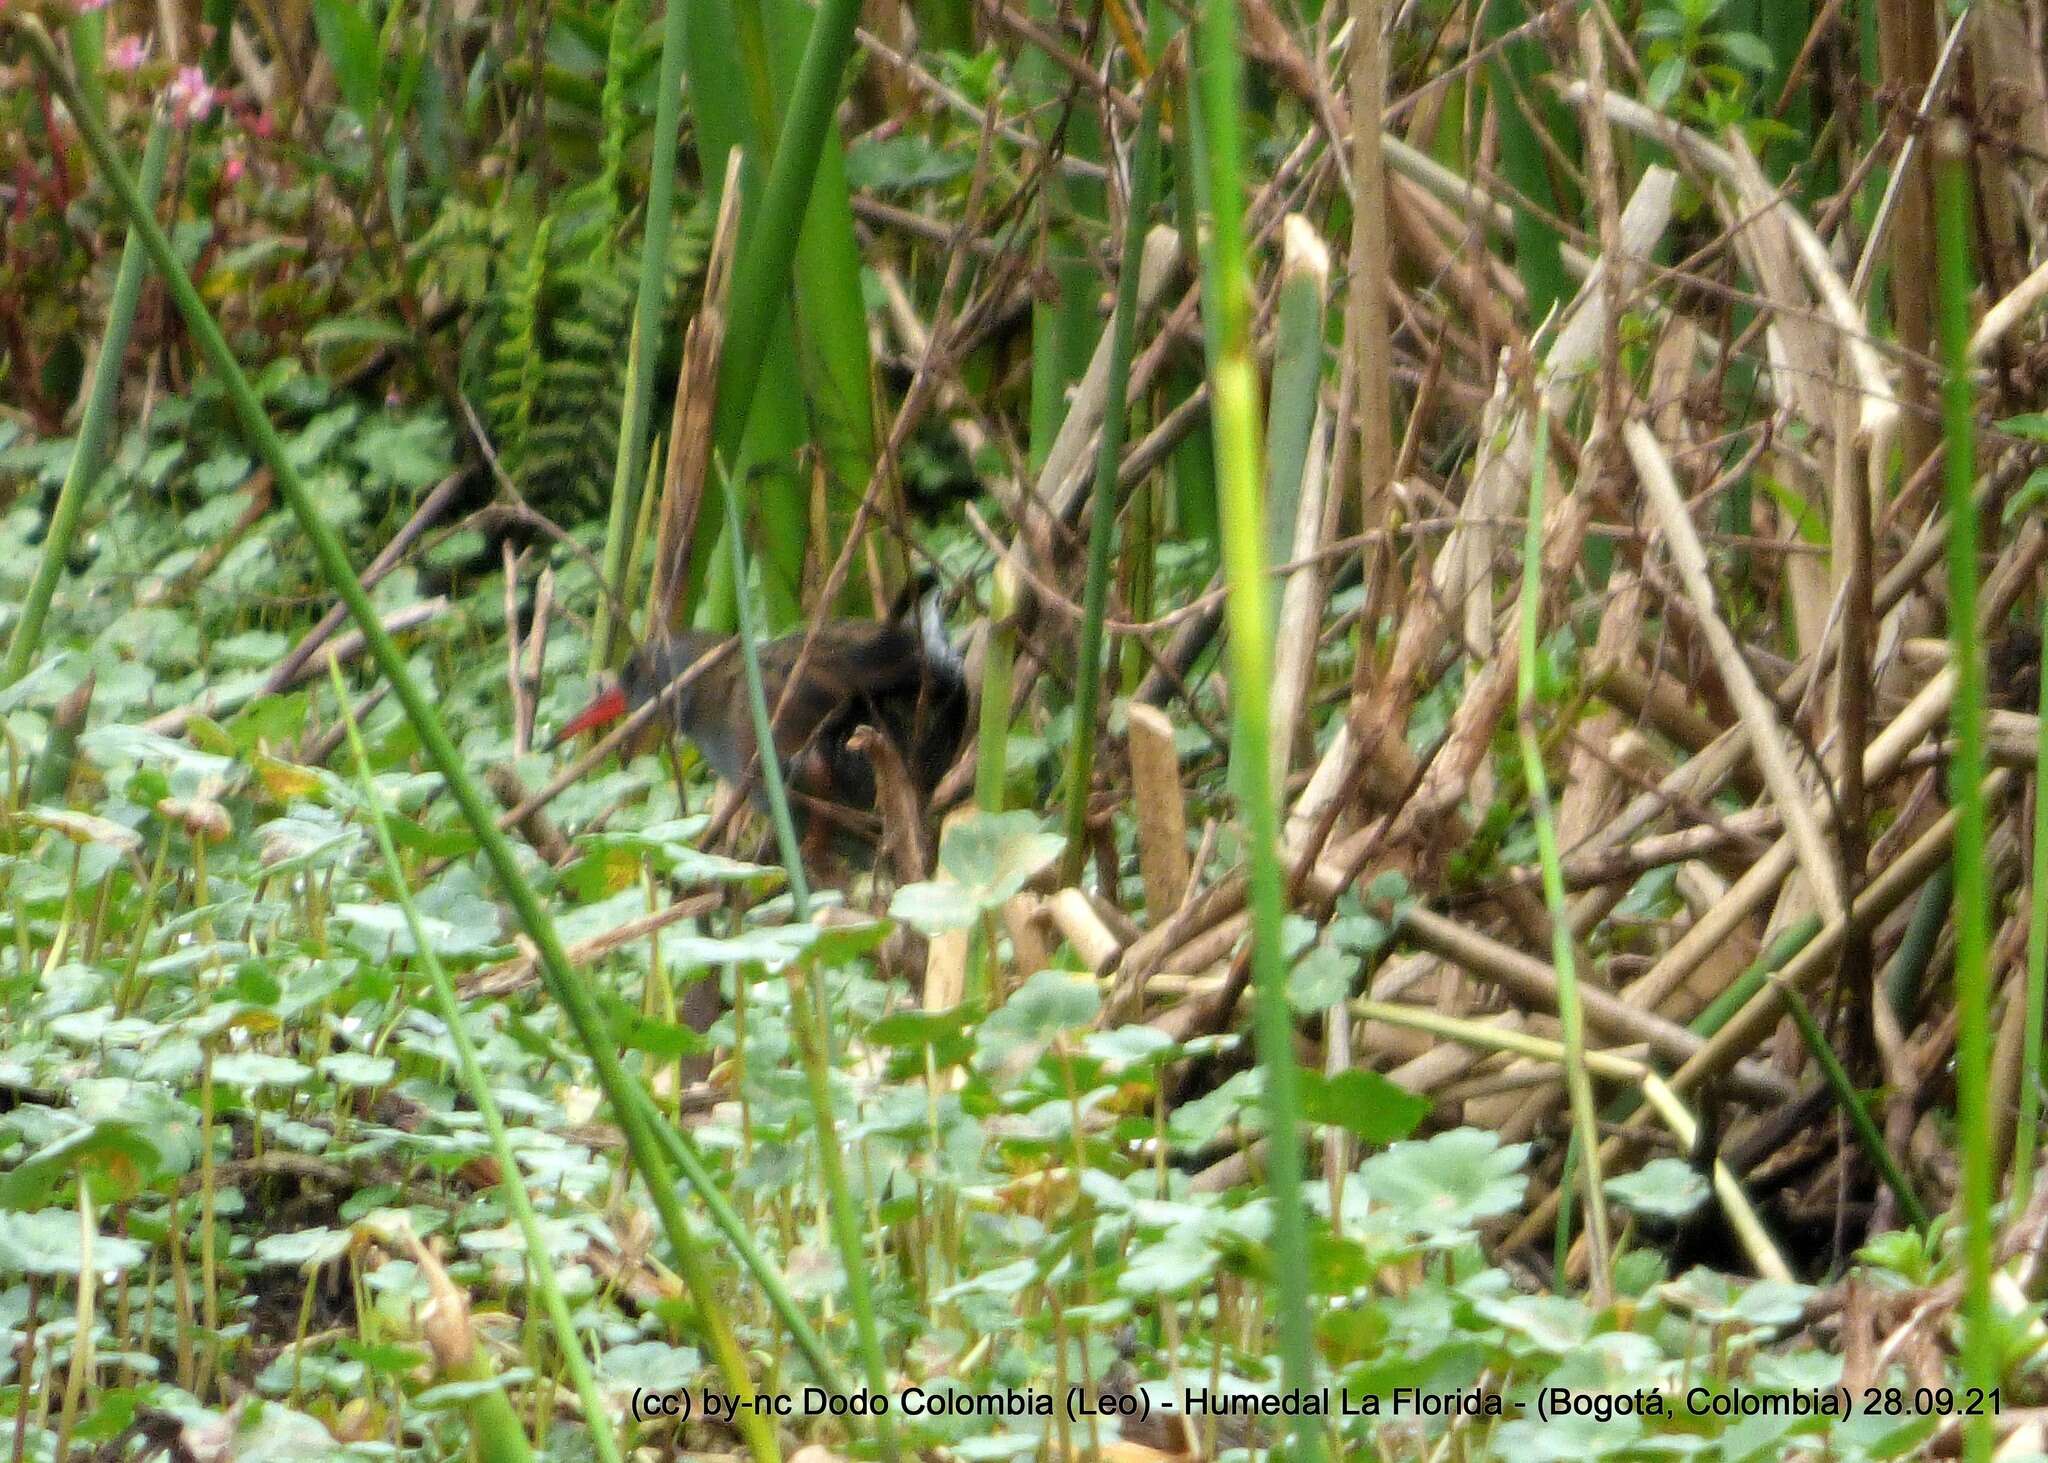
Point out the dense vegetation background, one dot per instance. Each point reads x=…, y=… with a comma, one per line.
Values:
x=1497, y=849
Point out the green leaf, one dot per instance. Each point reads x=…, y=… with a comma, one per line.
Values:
x=1320, y=979
x=48, y=1243
x=253, y=1070
x=996, y=854
x=1363, y=1103
x=1664, y=24
x=302, y=1249
x=82, y=828
x=1805, y=517
x=1201, y=1122
x=920, y=1028
x=2033, y=425
x=1443, y=1186
x=1183, y=1259
x=1747, y=51
x=1665, y=81
x=1663, y=1188
x=358, y=1069
x=412, y=452
x=272, y=719
x=2029, y=496
x=934, y=908
x=350, y=42
x=121, y=1158
x=1050, y=1002
x=635, y=1032
x=357, y=330
x=990, y=856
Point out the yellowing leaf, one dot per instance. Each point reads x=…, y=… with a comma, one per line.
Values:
x=284, y=780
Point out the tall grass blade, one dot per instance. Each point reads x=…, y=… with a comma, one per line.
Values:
x=807, y=993
x=1234, y=421
x=1109, y=454
x=89, y=453
x=1966, y=774
x=2027, y=1134
x=1851, y=1104
x=1571, y=1018
x=1518, y=70
x=646, y=333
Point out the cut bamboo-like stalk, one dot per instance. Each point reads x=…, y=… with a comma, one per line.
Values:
x=1297, y=479
x=1064, y=475
x=1162, y=814
x=1021, y=916
x=1074, y=917
x=945, y=961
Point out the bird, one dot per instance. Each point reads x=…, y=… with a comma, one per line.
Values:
x=900, y=675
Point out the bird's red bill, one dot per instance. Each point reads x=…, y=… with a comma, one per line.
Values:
x=608, y=707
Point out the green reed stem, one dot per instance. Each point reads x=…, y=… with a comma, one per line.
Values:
x=89, y=453
x=1851, y=1103
x=1570, y=1016
x=772, y=786
x=1966, y=774
x=998, y=665
x=2026, y=1137
x=812, y=1015
x=761, y=272
x=647, y=311
x=1234, y=422
x=1108, y=456
x=620, y=518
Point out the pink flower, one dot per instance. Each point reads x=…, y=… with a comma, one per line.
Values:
x=128, y=53
x=87, y=7
x=232, y=173
x=191, y=98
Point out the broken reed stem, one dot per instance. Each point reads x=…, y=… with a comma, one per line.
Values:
x=1161, y=811
x=1366, y=335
